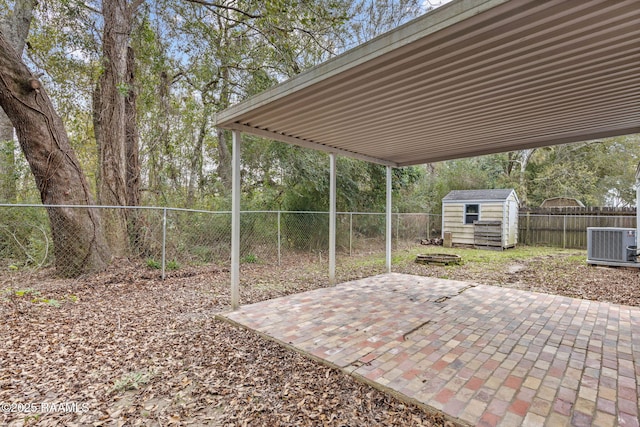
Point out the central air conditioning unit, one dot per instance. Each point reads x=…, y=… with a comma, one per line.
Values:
x=612, y=246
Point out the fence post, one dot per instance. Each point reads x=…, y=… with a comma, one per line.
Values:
x=564, y=231
x=279, y=254
x=164, y=239
x=527, y=237
x=428, y=227
x=398, y=230
x=350, y=232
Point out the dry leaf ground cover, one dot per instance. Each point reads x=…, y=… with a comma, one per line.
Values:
x=546, y=270
x=126, y=348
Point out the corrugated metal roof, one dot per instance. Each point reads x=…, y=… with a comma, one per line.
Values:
x=470, y=78
x=478, y=195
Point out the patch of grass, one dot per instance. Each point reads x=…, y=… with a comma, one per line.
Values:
x=580, y=258
x=24, y=292
x=473, y=258
x=250, y=259
x=132, y=380
x=157, y=265
x=482, y=256
x=35, y=297
x=35, y=418
x=51, y=302
x=152, y=263
x=172, y=265
x=364, y=261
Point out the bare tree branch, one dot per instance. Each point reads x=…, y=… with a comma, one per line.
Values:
x=224, y=6
x=135, y=4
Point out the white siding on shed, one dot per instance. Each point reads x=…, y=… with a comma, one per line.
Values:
x=510, y=225
x=453, y=221
x=506, y=211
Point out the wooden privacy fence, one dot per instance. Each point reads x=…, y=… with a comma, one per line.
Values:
x=567, y=227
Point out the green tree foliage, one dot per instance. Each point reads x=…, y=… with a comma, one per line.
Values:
x=63, y=47
x=297, y=179
x=599, y=173
x=216, y=54
x=196, y=57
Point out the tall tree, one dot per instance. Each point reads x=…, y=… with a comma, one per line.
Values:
x=79, y=244
x=192, y=58
x=14, y=24
x=114, y=121
x=517, y=166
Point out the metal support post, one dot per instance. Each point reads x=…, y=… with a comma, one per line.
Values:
x=164, y=241
x=279, y=241
x=638, y=208
x=235, y=220
x=350, y=233
x=332, y=218
x=388, y=221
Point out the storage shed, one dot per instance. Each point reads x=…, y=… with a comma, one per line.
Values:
x=562, y=202
x=481, y=218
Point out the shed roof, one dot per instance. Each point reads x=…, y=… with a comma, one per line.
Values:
x=472, y=77
x=561, y=202
x=478, y=195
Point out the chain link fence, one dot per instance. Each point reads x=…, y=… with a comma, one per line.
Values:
x=167, y=238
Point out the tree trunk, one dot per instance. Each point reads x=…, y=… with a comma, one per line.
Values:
x=134, y=218
x=15, y=28
x=526, y=156
x=79, y=244
x=224, y=155
x=131, y=135
x=195, y=168
x=116, y=132
x=224, y=160
x=161, y=140
x=8, y=190
x=521, y=158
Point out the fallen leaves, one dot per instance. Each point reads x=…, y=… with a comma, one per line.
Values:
x=140, y=351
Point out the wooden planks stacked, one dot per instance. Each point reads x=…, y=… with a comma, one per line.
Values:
x=488, y=235
x=439, y=259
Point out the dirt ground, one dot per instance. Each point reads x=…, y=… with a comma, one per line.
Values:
x=126, y=348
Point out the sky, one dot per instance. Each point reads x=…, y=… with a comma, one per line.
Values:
x=434, y=3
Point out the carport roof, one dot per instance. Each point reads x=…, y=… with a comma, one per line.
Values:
x=473, y=77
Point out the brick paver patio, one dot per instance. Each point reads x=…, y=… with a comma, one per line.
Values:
x=482, y=354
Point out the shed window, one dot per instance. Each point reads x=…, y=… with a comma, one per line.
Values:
x=471, y=213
